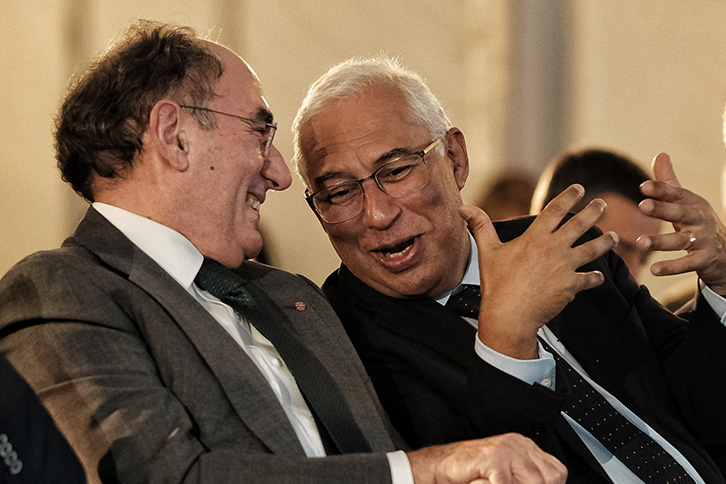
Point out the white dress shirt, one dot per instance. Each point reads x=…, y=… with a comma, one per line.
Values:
x=178, y=257
x=543, y=370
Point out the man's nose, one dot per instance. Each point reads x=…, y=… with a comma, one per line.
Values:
x=276, y=171
x=380, y=209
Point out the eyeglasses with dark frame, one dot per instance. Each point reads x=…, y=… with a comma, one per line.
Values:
x=400, y=177
x=268, y=133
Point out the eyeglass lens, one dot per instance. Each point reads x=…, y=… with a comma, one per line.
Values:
x=399, y=178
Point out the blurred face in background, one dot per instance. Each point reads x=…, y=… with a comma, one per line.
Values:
x=623, y=217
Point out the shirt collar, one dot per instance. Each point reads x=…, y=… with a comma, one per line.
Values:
x=471, y=276
x=167, y=247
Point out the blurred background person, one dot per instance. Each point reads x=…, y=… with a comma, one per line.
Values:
x=614, y=178
x=507, y=196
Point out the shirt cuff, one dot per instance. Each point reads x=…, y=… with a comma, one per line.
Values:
x=541, y=370
x=400, y=467
x=716, y=301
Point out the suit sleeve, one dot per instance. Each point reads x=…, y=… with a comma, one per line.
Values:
x=688, y=355
x=692, y=349
x=432, y=396
x=33, y=448
x=131, y=416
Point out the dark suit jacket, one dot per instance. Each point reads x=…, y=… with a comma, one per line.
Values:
x=149, y=388
x=421, y=359
x=32, y=450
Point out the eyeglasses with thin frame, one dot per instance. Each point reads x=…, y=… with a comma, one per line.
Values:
x=268, y=132
x=400, y=177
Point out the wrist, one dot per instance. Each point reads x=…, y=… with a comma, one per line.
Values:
x=423, y=464
x=520, y=346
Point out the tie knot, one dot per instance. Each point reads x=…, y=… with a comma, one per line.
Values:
x=222, y=283
x=466, y=302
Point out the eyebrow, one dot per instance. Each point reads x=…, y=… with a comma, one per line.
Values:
x=394, y=153
x=381, y=160
x=264, y=115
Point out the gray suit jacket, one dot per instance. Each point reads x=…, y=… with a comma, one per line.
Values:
x=148, y=387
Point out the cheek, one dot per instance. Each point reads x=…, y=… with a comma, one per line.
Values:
x=439, y=207
x=632, y=258
x=442, y=189
x=345, y=242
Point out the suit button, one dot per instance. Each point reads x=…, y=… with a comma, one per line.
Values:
x=5, y=446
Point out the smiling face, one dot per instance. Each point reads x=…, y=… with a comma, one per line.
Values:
x=228, y=175
x=403, y=247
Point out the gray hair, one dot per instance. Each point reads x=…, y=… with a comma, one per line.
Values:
x=353, y=76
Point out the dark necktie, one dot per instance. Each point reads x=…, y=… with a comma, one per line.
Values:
x=316, y=384
x=641, y=454
x=636, y=450
x=466, y=302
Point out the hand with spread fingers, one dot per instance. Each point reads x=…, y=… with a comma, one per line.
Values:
x=527, y=281
x=697, y=228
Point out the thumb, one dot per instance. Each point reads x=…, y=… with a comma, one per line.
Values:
x=663, y=170
x=481, y=226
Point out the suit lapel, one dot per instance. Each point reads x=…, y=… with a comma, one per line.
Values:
x=430, y=324
x=320, y=332
x=422, y=320
x=248, y=391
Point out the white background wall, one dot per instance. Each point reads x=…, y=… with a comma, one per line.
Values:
x=650, y=76
x=642, y=77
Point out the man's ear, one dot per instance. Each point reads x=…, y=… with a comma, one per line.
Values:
x=456, y=152
x=168, y=136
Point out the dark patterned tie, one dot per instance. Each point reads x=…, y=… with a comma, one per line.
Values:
x=466, y=302
x=641, y=454
x=636, y=450
x=319, y=388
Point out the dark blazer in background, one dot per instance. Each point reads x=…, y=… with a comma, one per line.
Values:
x=420, y=356
x=32, y=450
x=148, y=387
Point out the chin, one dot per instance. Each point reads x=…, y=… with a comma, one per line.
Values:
x=250, y=243
x=399, y=287
x=253, y=252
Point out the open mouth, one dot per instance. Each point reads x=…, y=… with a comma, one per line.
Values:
x=253, y=202
x=397, y=250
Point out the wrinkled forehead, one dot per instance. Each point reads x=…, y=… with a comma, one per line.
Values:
x=355, y=134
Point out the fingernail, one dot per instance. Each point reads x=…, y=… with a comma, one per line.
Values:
x=646, y=242
x=615, y=237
